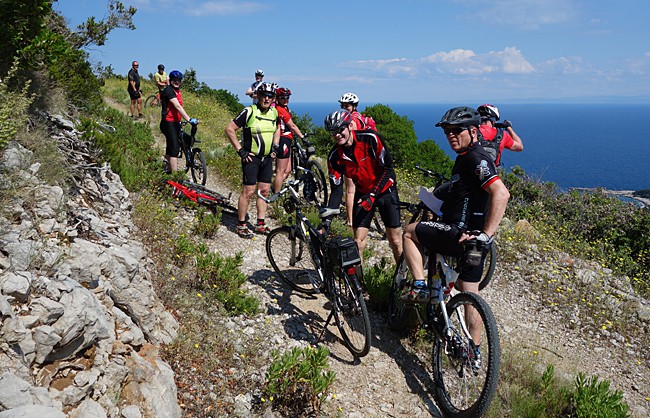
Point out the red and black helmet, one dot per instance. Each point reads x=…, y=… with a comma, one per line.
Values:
x=337, y=120
x=282, y=92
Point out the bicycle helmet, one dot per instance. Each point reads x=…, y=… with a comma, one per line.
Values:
x=460, y=116
x=259, y=73
x=349, y=98
x=161, y=67
x=176, y=75
x=488, y=111
x=283, y=92
x=266, y=88
x=337, y=119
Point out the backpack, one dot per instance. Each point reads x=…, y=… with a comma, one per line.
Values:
x=493, y=148
x=368, y=122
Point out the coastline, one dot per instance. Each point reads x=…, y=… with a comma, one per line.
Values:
x=629, y=194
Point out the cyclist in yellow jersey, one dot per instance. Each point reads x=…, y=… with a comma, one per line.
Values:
x=260, y=139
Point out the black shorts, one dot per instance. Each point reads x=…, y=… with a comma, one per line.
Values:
x=134, y=94
x=386, y=203
x=442, y=238
x=284, y=148
x=171, y=130
x=259, y=170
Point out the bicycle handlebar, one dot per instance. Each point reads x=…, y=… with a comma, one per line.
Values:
x=431, y=174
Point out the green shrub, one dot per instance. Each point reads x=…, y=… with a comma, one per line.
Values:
x=207, y=223
x=297, y=381
x=377, y=280
x=13, y=109
x=594, y=399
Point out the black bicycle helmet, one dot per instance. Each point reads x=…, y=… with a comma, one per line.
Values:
x=266, y=88
x=460, y=116
x=337, y=119
x=488, y=111
x=259, y=73
x=161, y=67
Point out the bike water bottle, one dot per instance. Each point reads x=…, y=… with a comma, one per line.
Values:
x=436, y=289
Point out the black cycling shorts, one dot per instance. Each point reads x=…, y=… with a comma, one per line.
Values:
x=386, y=203
x=284, y=148
x=171, y=130
x=442, y=238
x=259, y=170
x=134, y=94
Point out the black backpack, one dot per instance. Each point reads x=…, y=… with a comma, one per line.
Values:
x=493, y=148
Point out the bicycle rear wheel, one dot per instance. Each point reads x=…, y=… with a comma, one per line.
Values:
x=198, y=167
x=290, y=257
x=351, y=313
x=320, y=194
x=465, y=377
x=401, y=315
x=489, y=266
x=151, y=101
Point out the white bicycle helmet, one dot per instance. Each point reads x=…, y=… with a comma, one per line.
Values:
x=259, y=73
x=267, y=88
x=349, y=98
x=488, y=111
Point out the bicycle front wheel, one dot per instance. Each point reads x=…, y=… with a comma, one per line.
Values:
x=351, y=313
x=198, y=167
x=321, y=194
x=151, y=101
x=489, y=266
x=466, y=368
x=290, y=257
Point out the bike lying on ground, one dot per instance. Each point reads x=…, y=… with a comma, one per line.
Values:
x=314, y=187
x=202, y=195
x=466, y=350
x=194, y=159
x=310, y=262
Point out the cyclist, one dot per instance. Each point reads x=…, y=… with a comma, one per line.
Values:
x=134, y=89
x=287, y=129
x=172, y=114
x=260, y=139
x=475, y=199
x=350, y=102
x=509, y=140
x=160, y=78
x=363, y=157
x=252, y=90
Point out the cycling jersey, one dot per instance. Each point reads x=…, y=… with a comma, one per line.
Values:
x=367, y=162
x=489, y=133
x=258, y=129
x=465, y=202
x=170, y=113
x=285, y=116
x=358, y=119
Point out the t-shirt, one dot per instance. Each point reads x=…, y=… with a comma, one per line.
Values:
x=169, y=112
x=466, y=202
x=285, y=116
x=160, y=78
x=134, y=76
x=489, y=133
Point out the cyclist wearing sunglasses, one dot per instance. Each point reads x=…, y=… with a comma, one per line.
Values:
x=350, y=102
x=287, y=128
x=474, y=200
x=363, y=157
x=260, y=139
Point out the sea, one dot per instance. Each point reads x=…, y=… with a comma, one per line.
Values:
x=573, y=145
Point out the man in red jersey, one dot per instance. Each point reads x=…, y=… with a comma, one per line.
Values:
x=495, y=137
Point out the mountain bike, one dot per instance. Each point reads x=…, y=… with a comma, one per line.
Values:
x=194, y=159
x=201, y=194
x=310, y=261
x=152, y=100
x=465, y=367
x=314, y=191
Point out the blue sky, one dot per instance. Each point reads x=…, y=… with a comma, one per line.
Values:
x=405, y=51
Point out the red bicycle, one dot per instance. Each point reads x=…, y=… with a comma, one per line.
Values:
x=153, y=100
x=201, y=195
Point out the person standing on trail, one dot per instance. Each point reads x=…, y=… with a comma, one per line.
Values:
x=495, y=137
x=252, y=90
x=350, y=102
x=287, y=130
x=172, y=114
x=257, y=149
x=363, y=157
x=134, y=89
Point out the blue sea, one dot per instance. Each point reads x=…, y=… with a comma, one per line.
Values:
x=572, y=145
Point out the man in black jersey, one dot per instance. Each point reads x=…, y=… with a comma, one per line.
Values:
x=474, y=200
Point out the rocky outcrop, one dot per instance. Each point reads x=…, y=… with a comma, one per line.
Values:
x=80, y=320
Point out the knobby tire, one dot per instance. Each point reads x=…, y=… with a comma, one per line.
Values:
x=290, y=257
x=463, y=389
x=351, y=313
x=489, y=266
x=198, y=167
x=151, y=101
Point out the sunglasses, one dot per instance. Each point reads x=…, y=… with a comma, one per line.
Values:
x=283, y=97
x=339, y=131
x=268, y=95
x=456, y=130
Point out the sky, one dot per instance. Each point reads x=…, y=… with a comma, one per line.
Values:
x=405, y=51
